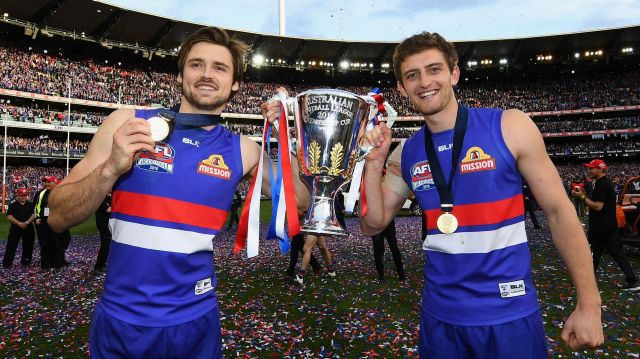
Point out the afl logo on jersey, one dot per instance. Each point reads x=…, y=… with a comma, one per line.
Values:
x=161, y=160
x=215, y=166
x=476, y=160
x=421, y=178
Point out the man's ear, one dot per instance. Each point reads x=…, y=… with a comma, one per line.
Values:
x=455, y=75
x=403, y=92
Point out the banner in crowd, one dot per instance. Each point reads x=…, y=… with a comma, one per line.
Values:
x=42, y=154
x=589, y=133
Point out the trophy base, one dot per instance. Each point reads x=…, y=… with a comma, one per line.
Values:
x=320, y=229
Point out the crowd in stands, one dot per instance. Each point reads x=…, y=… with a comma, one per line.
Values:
x=247, y=129
x=121, y=83
x=618, y=172
x=43, y=143
x=254, y=128
x=29, y=177
x=591, y=145
x=588, y=125
x=37, y=115
x=51, y=75
x=568, y=92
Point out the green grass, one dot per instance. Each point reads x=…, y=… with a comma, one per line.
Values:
x=89, y=226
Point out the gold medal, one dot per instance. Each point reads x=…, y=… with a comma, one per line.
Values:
x=159, y=128
x=447, y=223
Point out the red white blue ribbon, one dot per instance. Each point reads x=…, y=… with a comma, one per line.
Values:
x=282, y=191
x=248, y=234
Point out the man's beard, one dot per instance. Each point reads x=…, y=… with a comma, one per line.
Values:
x=211, y=104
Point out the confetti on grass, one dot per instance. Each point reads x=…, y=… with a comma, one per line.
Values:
x=47, y=313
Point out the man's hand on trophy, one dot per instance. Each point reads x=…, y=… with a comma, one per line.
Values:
x=271, y=109
x=379, y=138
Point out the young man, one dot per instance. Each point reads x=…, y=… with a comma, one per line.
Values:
x=170, y=198
x=603, y=224
x=478, y=300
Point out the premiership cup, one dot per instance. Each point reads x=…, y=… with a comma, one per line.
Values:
x=329, y=125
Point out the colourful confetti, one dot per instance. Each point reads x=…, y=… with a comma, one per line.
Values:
x=48, y=313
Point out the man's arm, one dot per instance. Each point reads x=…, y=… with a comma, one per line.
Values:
x=13, y=220
x=250, y=156
x=593, y=204
x=110, y=155
x=583, y=328
x=382, y=202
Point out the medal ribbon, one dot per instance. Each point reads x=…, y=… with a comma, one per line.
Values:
x=445, y=188
x=190, y=119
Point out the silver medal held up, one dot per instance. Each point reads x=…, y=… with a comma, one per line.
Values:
x=160, y=127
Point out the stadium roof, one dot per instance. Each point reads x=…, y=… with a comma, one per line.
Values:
x=104, y=22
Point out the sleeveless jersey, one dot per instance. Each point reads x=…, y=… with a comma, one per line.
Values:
x=479, y=275
x=166, y=211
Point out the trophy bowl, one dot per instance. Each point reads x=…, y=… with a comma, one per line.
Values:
x=329, y=125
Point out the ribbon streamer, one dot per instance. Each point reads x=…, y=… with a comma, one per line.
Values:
x=357, y=181
x=248, y=233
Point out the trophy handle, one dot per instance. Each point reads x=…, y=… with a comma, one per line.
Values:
x=286, y=103
x=392, y=114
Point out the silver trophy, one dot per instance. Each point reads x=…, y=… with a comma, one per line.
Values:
x=329, y=125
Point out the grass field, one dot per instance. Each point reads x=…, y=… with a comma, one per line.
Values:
x=47, y=313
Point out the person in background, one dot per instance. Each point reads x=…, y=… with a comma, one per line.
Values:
x=388, y=234
x=297, y=245
x=530, y=206
x=603, y=224
x=20, y=215
x=102, y=222
x=52, y=247
x=236, y=203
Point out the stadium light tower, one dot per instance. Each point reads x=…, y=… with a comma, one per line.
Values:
x=281, y=23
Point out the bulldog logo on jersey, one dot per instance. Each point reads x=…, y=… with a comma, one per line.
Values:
x=477, y=160
x=421, y=178
x=161, y=160
x=215, y=166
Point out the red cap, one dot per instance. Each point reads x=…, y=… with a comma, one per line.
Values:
x=597, y=164
x=22, y=191
x=48, y=179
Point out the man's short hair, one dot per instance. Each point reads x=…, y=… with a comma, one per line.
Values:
x=217, y=36
x=420, y=42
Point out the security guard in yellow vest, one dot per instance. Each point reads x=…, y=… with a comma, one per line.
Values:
x=52, y=245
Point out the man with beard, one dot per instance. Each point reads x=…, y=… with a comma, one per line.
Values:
x=465, y=167
x=171, y=195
